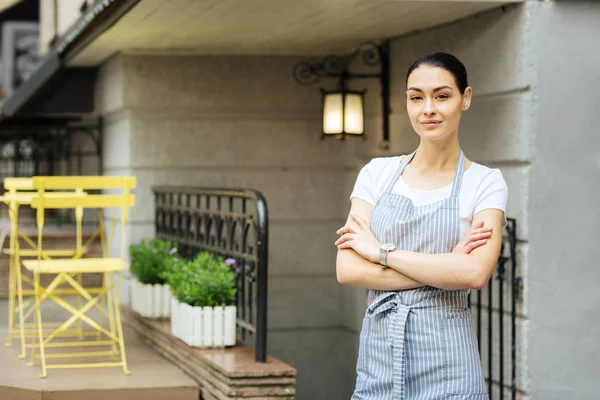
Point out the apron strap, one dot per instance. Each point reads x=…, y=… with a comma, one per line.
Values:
x=458, y=175
x=399, y=172
x=456, y=183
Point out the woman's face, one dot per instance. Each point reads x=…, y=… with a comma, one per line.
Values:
x=434, y=102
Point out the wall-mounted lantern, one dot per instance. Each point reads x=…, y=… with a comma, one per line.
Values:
x=343, y=110
x=343, y=113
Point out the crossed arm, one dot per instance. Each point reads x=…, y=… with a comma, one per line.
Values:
x=470, y=264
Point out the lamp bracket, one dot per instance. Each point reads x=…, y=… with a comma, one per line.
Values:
x=338, y=66
x=371, y=54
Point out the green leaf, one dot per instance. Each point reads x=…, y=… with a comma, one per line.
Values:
x=149, y=260
x=205, y=281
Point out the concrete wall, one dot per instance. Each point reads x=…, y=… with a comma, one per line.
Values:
x=243, y=122
x=564, y=300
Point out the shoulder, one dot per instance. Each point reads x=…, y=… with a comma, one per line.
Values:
x=480, y=176
x=487, y=188
x=380, y=163
x=379, y=167
x=373, y=177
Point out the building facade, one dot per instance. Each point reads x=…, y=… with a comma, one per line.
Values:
x=201, y=117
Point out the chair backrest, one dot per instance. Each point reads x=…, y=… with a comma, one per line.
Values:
x=83, y=182
x=22, y=192
x=18, y=184
x=48, y=200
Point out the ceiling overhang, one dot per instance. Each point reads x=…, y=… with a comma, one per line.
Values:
x=225, y=27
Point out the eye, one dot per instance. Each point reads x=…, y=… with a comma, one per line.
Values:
x=415, y=98
x=442, y=96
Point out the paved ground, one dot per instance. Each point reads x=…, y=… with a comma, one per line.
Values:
x=153, y=377
x=50, y=311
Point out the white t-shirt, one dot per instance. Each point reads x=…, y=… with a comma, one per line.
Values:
x=482, y=188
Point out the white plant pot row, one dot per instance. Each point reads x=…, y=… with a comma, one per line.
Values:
x=151, y=301
x=203, y=326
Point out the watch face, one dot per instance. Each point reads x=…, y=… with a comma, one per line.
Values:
x=388, y=246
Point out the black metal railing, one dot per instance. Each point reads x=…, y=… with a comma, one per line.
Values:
x=231, y=223
x=493, y=306
x=50, y=147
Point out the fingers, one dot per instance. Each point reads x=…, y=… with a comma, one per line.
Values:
x=478, y=231
x=479, y=236
x=344, y=238
x=349, y=227
x=346, y=229
x=477, y=225
x=353, y=227
x=483, y=229
x=473, y=245
x=346, y=245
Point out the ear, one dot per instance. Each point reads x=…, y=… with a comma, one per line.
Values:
x=467, y=98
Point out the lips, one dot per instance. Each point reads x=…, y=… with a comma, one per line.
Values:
x=430, y=123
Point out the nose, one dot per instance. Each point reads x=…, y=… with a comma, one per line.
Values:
x=429, y=108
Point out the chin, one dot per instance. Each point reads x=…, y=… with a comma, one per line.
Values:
x=433, y=135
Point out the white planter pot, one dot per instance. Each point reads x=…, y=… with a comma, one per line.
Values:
x=175, y=318
x=207, y=326
x=186, y=322
x=197, y=315
x=229, y=324
x=166, y=301
x=203, y=326
x=150, y=301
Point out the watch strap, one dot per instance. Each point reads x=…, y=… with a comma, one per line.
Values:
x=383, y=257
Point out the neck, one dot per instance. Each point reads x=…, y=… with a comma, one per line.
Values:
x=437, y=155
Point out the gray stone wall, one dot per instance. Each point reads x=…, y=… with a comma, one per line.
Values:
x=243, y=122
x=563, y=296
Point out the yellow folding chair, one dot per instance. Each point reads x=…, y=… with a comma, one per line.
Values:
x=66, y=269
x=19, y=191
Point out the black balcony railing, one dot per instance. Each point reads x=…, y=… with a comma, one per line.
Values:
x=495, y=317
x=232, y=223
x=50, y=147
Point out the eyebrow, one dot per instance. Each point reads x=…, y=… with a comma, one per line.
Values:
x=435, y=90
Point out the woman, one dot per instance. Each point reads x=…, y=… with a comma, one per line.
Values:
x=402, y=242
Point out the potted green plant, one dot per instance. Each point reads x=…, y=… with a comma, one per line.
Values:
x=203, y=311
x=150, y=295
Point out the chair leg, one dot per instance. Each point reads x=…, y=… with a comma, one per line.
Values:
x=19, y=282
x=117, y=299
x=80, y=304
x=111, y=315
x=40, y=325
x=103, y=303
x=11, y=301
x=34, y=336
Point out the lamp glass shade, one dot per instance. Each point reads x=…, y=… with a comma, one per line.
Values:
x=333, y=114
x=353, y=114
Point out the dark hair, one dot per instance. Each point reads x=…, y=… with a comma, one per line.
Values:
x=446, y=61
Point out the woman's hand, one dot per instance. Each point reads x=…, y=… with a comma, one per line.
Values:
x=474, y=238
x=358, y=236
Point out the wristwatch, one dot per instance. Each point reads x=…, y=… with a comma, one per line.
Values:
x=384, y=249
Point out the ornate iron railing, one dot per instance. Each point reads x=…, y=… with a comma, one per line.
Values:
x=231, y=223
x=494, y=304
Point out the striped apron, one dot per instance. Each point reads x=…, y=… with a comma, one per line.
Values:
x=418, y=343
